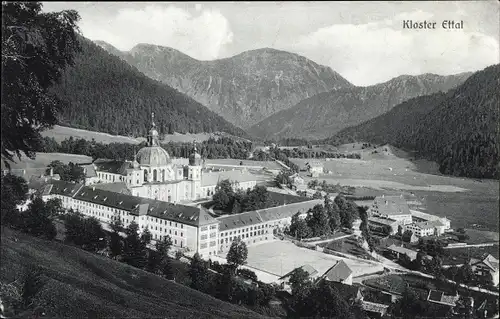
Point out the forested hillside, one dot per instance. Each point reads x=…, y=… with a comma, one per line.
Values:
x=325, y=114
x=106, y=94
x=245, y=88
x=459, y=130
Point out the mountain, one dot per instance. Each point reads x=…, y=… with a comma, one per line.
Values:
x=244, y=89
x=458, y=130
x=79, y=284
x=326, y=113
x=104, y=93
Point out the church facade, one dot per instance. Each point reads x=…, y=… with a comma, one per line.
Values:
x=153, y=174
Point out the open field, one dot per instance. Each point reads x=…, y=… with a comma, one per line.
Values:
x=280, y=257
x=43, y=159
x=60, y=133
x=464, y=201
x=83, y=285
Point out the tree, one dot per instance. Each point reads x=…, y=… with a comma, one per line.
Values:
x=86, y=233
x=407, y=235
x=299, y=281
x=158, y=257
x=299, y=228
x=318, y=222
x=115, y=240
x=237, y=254
x=36, y=48
x=223, y=195
x=134, y=250
x=36, y=220
x=332, y=211
x=198, y=272
x=322, y=301
x=14, y=193
x=317, y=195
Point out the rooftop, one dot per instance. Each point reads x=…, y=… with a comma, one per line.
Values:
x=239, y=220
x=391, y=205
x=338, y=272
x=441, y=298
x=307, y=268
x=382, y=221
x=211, y=179
x=195, y=216
x=374, y=307
x=119, y=187
x=429, y=224
x=408, y=252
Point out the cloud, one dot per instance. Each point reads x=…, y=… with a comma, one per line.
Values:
x=201, y=35
x=378, y=51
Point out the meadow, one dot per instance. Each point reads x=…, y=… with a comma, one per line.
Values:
x=466, y=202
x=79, y=284
x=60, y=133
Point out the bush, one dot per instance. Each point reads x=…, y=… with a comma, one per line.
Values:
x=247, y=274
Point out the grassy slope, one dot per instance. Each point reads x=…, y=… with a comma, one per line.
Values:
x=81, y=284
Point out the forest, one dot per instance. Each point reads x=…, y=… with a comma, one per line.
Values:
x=105, y=94
x=458, y=129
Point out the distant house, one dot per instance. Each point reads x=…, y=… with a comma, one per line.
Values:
x=418, y=216
x=298, y=182
x=284, y=280
x=350, y=293
x=400, y=251
x=485, y=264
x=392, y=207
x=374, y=309
x=381, y=223
x=339, y=272
x=427, y=228
x=314, y=168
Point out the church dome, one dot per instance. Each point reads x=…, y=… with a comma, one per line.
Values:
x=153, y=156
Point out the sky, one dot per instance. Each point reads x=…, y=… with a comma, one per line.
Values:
x=363, y=41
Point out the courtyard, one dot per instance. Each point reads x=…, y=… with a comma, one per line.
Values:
x=280, y=257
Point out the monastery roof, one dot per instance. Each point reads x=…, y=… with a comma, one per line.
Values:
x=339, y=272
x=229, y=222
x=89, y=170
x=239, y=220
x=64, y=188
x=392, y=205
x=195, y=216
x=429, y=224
x=288, y=210
x=112, y=166
x=118, y=187
x=211, y=179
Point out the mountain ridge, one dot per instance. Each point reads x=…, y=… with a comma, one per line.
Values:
x=457, y=129
x=245, y=88
x=106, y=94
x=326, y=113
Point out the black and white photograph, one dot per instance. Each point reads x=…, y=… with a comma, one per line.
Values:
x=286, y=159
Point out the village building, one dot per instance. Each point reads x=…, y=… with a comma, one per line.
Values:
x=399, y=251
x=283, y=281
x=426, y=228
x=259, y=225
x=391, y=207
x=484, y=265
x=314, y=168
x=382, y=224
x=418, y=216
x=340, y=273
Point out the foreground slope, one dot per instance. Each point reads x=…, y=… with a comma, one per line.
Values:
x=106, y=94
x=459, y=130
x=244, y=89
x=327, y=113
x=83, y=285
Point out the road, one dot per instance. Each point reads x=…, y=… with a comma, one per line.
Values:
x=327, y=240
x=472, y=245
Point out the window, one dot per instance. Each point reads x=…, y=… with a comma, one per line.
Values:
x=203, y=246
x=181, y=234
x=203, y=237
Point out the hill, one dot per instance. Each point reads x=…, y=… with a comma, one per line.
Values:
x=104, y=93
x=458, y=130
x=244, y=89
x=326, y=113
x=83, y=285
